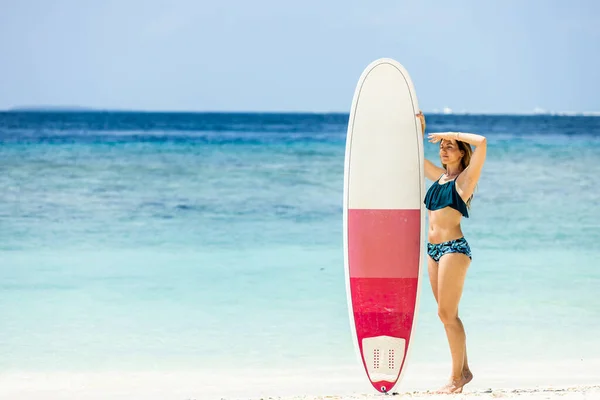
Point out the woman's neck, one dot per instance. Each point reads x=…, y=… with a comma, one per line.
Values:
x=453, y=170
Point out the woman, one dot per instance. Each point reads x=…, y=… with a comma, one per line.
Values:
x=448, y=253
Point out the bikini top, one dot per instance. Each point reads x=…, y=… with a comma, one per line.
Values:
x=445, y=195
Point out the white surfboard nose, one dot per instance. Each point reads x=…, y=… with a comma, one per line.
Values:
x=383, y=357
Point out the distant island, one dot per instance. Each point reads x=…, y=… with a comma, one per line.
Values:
x=52, y=108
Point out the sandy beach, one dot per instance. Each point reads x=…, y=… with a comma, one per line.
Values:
x=582, y=392
x=565, y=381
x=568, y=393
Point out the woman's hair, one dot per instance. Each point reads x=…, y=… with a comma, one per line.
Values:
x=464, y=161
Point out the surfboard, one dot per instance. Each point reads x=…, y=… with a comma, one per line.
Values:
x=384, y=221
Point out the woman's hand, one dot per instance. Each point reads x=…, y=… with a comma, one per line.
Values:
x=436, y=137
x=422, y=119
x=471, y=138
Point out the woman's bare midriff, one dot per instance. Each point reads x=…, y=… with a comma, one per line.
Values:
x=444, y=225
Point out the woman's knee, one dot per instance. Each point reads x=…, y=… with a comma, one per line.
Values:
x=447, y=316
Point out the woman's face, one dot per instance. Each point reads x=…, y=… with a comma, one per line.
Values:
x=450, y=153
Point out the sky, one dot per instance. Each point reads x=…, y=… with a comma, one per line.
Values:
x=497, y=56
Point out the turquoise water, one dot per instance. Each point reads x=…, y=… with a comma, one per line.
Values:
x=191, y=241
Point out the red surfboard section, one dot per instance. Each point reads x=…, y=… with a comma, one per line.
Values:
x=384, y=251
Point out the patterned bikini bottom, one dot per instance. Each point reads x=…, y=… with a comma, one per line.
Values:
x=436, y=251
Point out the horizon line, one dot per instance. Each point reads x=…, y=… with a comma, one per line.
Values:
x=82, y=109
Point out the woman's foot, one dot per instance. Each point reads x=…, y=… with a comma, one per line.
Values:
x=468, y=375
x=456, y=385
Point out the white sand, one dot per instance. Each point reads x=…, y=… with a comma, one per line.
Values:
x=571, y=393
x=566, y=381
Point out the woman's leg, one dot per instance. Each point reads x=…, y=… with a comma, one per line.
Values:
x=433, y=268
x=452, y=270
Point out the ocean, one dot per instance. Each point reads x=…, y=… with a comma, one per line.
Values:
x=205, y=243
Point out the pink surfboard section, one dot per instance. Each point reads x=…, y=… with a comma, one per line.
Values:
x=384, y=271
x=383, y=220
